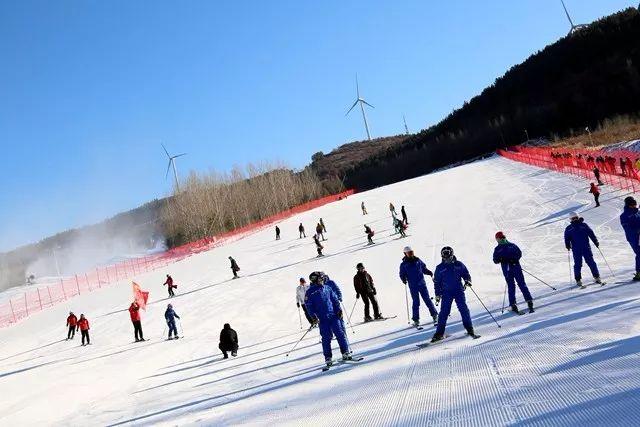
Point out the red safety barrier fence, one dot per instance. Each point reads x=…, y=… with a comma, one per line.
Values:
x=22, y=305
x=619, y=168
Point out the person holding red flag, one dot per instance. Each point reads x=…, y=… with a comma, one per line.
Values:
x=134, y=312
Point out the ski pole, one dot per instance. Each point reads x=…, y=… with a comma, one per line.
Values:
x=605, y=261
x=485, y=307
x=406, y=299
x=299, y=317
x=300, y=340
x=348, y=321
x=504, y=296
x=354, y=307
x=539, y=279
x=569, y=259
x=164, y=330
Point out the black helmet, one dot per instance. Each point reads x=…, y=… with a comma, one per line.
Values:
x=446, y=252
x=360, y=266
x=630, y=201
x=315, y=277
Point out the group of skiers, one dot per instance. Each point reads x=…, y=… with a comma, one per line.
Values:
x=74, y=324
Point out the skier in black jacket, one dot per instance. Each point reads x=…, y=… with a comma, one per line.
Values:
x=363, y=284
x=228, y=341
x=234, y=267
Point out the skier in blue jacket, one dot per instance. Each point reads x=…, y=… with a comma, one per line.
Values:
x=630, y=221
x=451, y=279
x=323, y=304
x=508, y=255
x=576, y=238
x=332, y=285
x=170, y=316
x=412, y=271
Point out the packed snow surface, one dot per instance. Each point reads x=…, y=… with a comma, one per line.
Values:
x=572, y=362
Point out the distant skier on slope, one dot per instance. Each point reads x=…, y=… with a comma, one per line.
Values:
x=72, y=321
x=277, y=233
x=83, y=326
x=319, y=247
x=412, y=271
x=596, y=173
x=593, y=189
x=134, y=313
x=170, y=286
x=508, y=255
x=301, y=291
x=301, y=231
x=234, y=267
x=320, y=231
x=630, y=221
x=405, y=219
x=370, y=233
x=400, y=227
x=365, y=288
x=323, y=305
x=450, y=280
x=170, y=316
x=364, y=209
x=228, y=341
x=392, y=209
x=576, y=238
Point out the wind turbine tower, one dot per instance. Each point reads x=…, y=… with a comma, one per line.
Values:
x=406, y=128
x=172, y=164
x=362, y=103
x=574, y=27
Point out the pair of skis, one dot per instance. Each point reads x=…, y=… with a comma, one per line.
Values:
x=332, y=364
x=430, y=343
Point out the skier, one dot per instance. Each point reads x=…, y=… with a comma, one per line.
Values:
x=596, y=193
x=596, y=173
x=400, y=227
x=301, y=291
x=277, y=233
x=301, y=231
x=83, y=326
x=170, y=286
x=234, y=267
x=324, y=229
x=170, y=316
x=72, y=321
x=412, y=271
x=405, y=219
x=369, y=232
x=450, y=280
x=228, y=341
x=364, y=209
x=363, y=284
x=319, y=246
x=134, y=313
x=327, y=281
x=576, y=238
x=392, y=209
x=319, y=231
x=324, y=306
x=630, y=221
x=508, y=255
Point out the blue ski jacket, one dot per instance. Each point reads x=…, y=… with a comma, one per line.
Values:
x=170, y=315
x=412, y=270
x=450, y=277
x=507, y=252
x=333, y=286
x=322, y=302
x=630, y=221
x=577, y=235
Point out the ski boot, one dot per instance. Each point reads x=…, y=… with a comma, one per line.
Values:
x=579, y=284
x=437, y=337
x=435, y=320
x=329, y=362
x=598, y=280
x=636, y=278
x=234, y=353
x=530, y=304
x=346, y=356
x=472, y=334
x=368, y=319
x=416, y=324
x=514, y=308
x=226, y=356
x=379, y=317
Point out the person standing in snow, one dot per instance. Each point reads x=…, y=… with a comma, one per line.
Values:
x=596, y=193
x=170, y=316
x=323, y=305
x=450, y=280
x=134, y=313
x=363, y=284
x=234, y=267
x=405, y=219
x=301, y=291
x=508, y=255
x=277, y=233
x=412, y=271
x=228, y=341
x=170, y=286
x=320, y=231
x=630, y=221
x=319, y=247
x=324, y=228
x=83, y=326
x=400, y=227
x=364, y=209
x=596, y=173
x=576, y=238
x=72, y=321
x=369, y=232
x=301, y=231
x=331, y=284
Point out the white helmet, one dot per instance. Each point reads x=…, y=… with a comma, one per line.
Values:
x=573, y=215
x=407, y=249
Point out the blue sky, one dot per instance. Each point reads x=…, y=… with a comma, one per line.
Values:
x=89, y=89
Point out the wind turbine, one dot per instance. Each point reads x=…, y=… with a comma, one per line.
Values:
x=574, y=27
x=362, y=103
x=406, y=128
x=172, y=163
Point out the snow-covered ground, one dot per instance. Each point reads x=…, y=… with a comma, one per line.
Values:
x=573, y=362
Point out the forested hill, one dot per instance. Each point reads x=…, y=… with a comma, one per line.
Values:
x=578, y=81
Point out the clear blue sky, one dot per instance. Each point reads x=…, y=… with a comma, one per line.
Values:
x=89, y=89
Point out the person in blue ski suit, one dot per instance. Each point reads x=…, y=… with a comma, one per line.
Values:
x=450, y=280
x=332, y=285
x=170, y=316
x=630, y=221
x=576, y=239
x=412, y=271
x=323, y=304
x=508, y=255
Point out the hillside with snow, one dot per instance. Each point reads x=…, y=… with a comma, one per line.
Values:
x=572, y=362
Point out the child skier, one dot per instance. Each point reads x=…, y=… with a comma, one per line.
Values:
x=596, y=193
x=83, y=326
x=363, y=284
x=576, y=238
x=277, y=233
x=170, y=316
x=72, y=321
x=170, y=286
x=364, y=209
x=508, y=255
x=234, y=267
x=412, y=271
x=369, y=232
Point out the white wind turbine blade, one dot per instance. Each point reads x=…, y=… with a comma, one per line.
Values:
x=179, y=155
x=352, y=107
x=362, y=100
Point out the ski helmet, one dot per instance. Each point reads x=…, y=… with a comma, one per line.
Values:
x=630, y=201
x=169, y=306
x=302, y=280
x=573, y=216
x=500, y=235
x=407, y=249
x=446, y=252
x=315, y=277
x=360, y=266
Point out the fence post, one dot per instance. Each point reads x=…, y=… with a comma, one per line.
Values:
x=39, y=299
x=26, y=307
x=64, y=293
x=107, y=270
x=86, y=277
x=98, y=276
x=13, y=313
x=77, y=284
x=50, y=299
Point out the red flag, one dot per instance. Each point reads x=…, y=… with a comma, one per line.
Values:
x=140, y=296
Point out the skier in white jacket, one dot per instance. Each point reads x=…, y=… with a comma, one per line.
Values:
x=301, y=291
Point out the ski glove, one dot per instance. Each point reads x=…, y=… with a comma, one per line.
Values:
x=597, y=244
x=298, y=304
x=404, y=281
x=357, y=296
x=467, y=284
x=339, y=314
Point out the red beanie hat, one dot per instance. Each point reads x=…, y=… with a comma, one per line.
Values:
x=500, y=235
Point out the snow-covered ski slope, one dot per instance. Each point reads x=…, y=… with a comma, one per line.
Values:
x=573, y=362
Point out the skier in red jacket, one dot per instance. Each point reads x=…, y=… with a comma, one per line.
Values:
x=596, y=193
x=170, y=286
x=72, y=320
x=134, y=312
x=83, y=326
